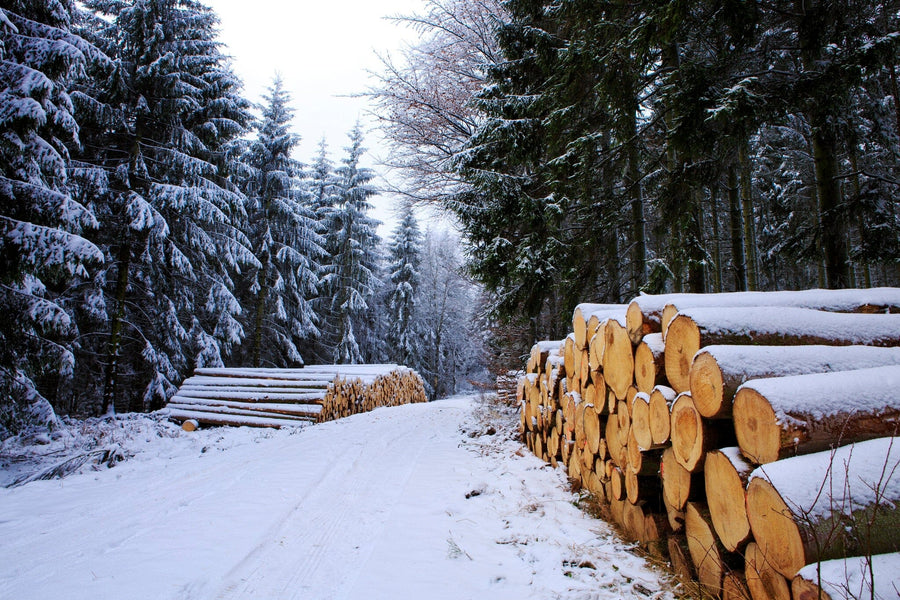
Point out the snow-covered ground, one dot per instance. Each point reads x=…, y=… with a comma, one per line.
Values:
x=420, y=501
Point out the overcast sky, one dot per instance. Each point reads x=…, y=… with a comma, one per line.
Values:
x=322, y=49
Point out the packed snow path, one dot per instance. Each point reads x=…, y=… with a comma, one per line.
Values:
x=418, y=501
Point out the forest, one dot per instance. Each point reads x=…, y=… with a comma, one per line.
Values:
x=596, y=150
x=153, y=221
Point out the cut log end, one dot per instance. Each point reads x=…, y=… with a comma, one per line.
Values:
x=774, y=529
x=687, y=433
x=682, y=343
x=707, y=386
x=190, y=425
x=727, y=500
x=756, y=427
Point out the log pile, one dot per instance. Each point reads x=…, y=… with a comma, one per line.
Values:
x=284, y=397
x=743, y=436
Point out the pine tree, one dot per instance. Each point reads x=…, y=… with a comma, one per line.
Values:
x=43, y=251
x=285, y=240
x=405, y=251
x=155, y=161
x=351, y=242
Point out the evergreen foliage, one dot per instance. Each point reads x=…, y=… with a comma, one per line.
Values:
x=405, y=258
x=350, y=280
x=43, y=246
x=285, y=239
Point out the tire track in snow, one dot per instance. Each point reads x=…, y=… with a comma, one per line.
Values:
x=342, y=515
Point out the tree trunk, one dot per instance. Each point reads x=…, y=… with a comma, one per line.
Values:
x=717, y=245
x=115, y=329
x=649, y=363
x=737, y=231
x=726, y=474
x=828, y=188
x=748, y=218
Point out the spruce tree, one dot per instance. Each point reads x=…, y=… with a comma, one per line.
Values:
x=165, y=115
x=285, y=240
x=405, y=257
x=351, y=243
x=43, y=251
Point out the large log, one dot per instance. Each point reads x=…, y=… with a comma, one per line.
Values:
x=853, y=578
x=718, y=371
x=640, y=421
x=827, y=505
x=582, y=314
x=726, y=473
x=661, y=400
x=783, y=416
x=693, y=329
x=649, y=363
x=618, y=359
x=706, y=554
x=645, y=311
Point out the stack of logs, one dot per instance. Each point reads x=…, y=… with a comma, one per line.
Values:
x=717, y=428
x=509, y=387
x=280, y=397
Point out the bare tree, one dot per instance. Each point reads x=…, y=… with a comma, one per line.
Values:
x=423, y=97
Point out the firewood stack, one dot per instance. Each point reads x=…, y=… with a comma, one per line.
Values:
x=747, y=436
x=282, y=397
x=509, y=390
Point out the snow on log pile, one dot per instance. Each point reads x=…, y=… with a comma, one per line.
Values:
x=750, y=438
x=282, y=397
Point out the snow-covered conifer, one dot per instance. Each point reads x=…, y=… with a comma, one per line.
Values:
x=351, y=242
x=285, y=239
x=42, y=248
x=405, y=256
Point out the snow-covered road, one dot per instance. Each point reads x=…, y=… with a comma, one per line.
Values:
x=417, y=501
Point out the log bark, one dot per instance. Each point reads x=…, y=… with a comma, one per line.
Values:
x=784, y=416
x=726, y=474
x=718, y=371
x=696, y=328
x=649, y=363
x=827, y=505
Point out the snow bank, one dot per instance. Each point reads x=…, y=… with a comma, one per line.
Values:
x=836, y=300
x=849, y=578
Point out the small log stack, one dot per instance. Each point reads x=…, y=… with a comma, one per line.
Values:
x=284, y=397
x=695, y=419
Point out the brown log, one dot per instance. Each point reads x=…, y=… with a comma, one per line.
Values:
x=661, y=400
x=641, y=487
x=649, y=363
x=624, y=417
x=705, y=550
x=718, y=371
x=696, y=328
x=569, y=359
x=596, y=347
x=726, y=474
x=679, y=484
x=633, y=521
x=581, y=317
x=190, y=425
x=641, y=321
x=614, y=445
x=640, y=421
x=734, y=587
x=689, y=436
x=678, y=557
x=617, y=483
x=823, y=506
x=592, y=431
x=785, y=416
x=763, y=581
x=618, y=359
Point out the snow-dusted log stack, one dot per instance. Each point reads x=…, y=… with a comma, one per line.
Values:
x=748, y=436
x=509, y=388
x=281, y=397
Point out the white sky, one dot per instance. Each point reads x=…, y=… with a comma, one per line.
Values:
x=322, y=49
